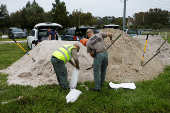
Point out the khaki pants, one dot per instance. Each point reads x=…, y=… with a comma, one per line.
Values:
x=61, y=72
x=99, y=69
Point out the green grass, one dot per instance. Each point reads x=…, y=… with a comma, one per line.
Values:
x=11, y=52
x=167, y=40
x=149, y=96
x=156, y=32
x=161, y=33
x=7, y=39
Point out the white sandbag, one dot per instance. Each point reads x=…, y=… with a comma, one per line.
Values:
x=4, y=36
x=115, y=86
x=128, y=85
x=122, y=85
x=74, y=79
x=73, y=95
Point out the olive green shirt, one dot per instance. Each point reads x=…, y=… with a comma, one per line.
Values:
x=75, y=57
x=96, y=42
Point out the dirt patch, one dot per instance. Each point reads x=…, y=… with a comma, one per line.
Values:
x=124, y=56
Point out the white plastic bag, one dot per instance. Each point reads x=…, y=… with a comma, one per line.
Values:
x=73, y=95
x=115, y=86
x=128, y=85
x=122, y=85
x=74, y=79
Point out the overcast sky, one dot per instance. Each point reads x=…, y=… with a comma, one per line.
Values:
x=96, y=7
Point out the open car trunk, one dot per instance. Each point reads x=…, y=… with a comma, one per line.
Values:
x=52, y=26
x=81, y=31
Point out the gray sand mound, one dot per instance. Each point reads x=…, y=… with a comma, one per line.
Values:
x=124, y=56
x=153, y=43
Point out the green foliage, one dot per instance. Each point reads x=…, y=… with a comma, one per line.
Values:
x=4, y=17
x=32, y=14
x=157, y=26
x=60, y=13
x=10, y=53
x=156, y=15
x=119, y=21
x=16, y=18
x=3, y=10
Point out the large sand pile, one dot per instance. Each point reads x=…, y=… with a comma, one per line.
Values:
x=124, y=56
x=153, y=43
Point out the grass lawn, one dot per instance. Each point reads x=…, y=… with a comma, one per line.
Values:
x=149, y=96
x=7, y=39
x=11, y=52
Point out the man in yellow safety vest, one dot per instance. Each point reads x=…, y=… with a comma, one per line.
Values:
x=60, y=58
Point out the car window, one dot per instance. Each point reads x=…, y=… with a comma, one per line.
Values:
x=43, y=33
x=32, y=33
x=17, y=30
x=67, y=33
x=132, y=31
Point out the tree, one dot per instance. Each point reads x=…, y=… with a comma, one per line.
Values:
x=48, y=17
x=119, y=21
x=4, y=22
x=31, y=15
x=60, y=14
x=139, y=17
x=158, y=16
x=16, y=18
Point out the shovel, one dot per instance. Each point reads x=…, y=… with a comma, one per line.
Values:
x=147, y=62
x=22, y=48
x=162, y=45
x=106, y=49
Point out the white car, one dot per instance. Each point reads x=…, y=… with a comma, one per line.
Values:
x=39, y=32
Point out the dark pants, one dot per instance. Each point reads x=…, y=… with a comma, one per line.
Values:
x=61, y=71
x=99, y=69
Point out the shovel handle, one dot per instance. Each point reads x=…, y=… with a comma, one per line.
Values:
x=114, y=41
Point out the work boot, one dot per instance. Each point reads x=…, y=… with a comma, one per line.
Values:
x=92, y=89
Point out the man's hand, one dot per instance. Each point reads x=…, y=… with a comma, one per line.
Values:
x=76, y=67
x=112, y=41
x=92, y=54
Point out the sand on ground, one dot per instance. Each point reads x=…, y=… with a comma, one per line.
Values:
x=125, y=56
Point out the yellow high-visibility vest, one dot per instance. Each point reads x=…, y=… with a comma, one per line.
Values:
x=64, y=53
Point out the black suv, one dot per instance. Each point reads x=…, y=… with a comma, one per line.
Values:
x=15, y=32
x=75, y=34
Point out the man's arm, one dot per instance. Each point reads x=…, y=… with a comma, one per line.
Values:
x=71, y=62
x=49, y=37
x=55, y=36
x=89, y=50
x=75, y=57
x=110, y=35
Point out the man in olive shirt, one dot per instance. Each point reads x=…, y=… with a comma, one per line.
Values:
x=60, y=58
x=97, y=49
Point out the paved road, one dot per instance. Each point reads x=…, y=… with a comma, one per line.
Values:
x=4, y=42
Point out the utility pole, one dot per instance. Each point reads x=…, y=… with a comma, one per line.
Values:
x=124, y=15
